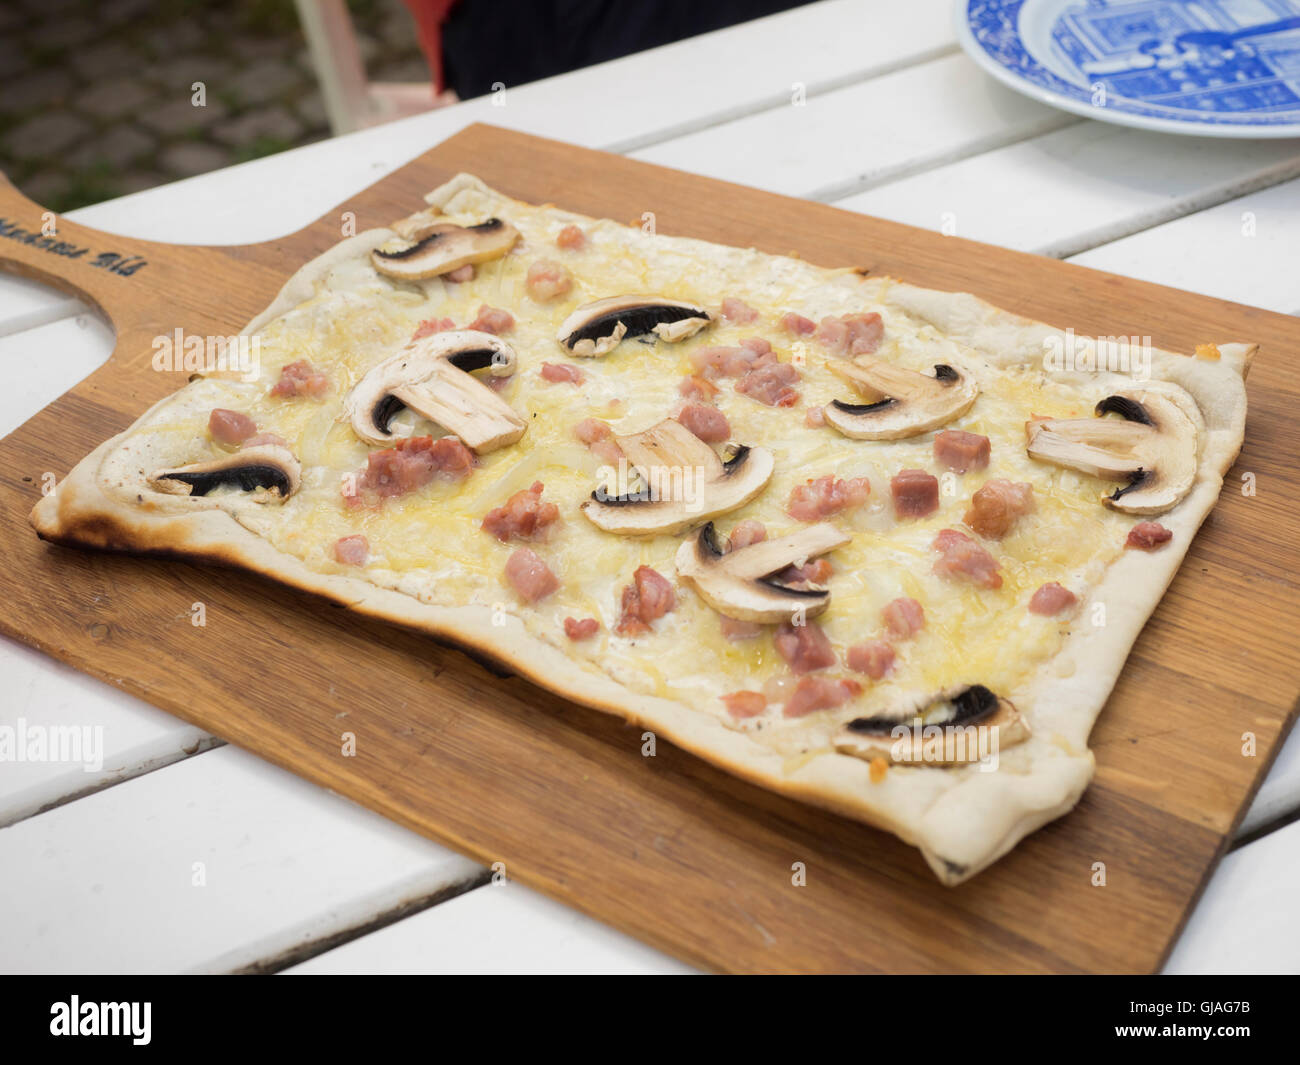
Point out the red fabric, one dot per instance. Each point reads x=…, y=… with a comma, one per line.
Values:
x=429, y=16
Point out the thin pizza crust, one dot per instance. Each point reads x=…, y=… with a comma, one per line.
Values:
x=961, y=820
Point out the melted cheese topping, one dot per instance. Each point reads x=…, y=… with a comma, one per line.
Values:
x=429, y=543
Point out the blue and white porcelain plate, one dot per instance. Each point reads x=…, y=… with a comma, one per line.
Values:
x=1219, y=68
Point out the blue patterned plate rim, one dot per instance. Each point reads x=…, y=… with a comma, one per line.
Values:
x=1219, y=68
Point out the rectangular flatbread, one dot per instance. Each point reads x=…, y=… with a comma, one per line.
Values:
x=875, y=547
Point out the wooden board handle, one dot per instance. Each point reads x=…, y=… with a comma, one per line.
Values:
x=145, y=289
x=104, y=270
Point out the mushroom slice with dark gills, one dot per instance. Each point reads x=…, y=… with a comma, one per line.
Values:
x=901, y=403
x=268, y=471
x=1152, y=445
x=937, y=730
x=597, y=328
x=682, y=482
x=434, y=377
x=430, y=249
x=741, y=584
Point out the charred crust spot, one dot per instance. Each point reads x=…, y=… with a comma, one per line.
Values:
x=945, y=373
x=1128, y=409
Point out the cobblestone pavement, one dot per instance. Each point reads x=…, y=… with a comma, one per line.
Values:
x=96, y=95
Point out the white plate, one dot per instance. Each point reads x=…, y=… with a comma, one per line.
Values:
x=1217, y=68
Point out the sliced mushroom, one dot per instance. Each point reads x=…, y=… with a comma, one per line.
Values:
x=683, y=482
x=597, y=328
x=1152, y=445
x=267, y=470
x=741, y=584
x=903, y=402
x=936, y=729
x=437, y=248
x=433, y=376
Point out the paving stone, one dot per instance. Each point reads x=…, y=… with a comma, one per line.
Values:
x=12, y=18
x=38, y=89
x=181, y=72
x=193, y=157
x=167, y=38
x=277, y=123
x=67, y=31
x=45, y=135
x=179, y=117
x=113, y=97
x=272, y=47
x=108, y=58
x=116, y=12
x=262, y=81
x=117, y=148
x=13, y=58
x=48, y=8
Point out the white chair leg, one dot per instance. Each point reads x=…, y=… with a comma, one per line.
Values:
x=337, y=59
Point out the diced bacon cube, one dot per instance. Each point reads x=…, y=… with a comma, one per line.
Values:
x=961, y=558
x=300, y=379
x=1148, y=535
x=745, y=533
x=649, y=597
x=433, y=325
x=522, y=517
x=819, y=693
x=708, y=423
x=915, y=493
x=547, y=280
x=230, y=427
x=825, y=496
x=571, y=238
x=529, y=576
x=352, y=550
x=797, y=324
x=903, y=617
x=492, y=320
x=851, y=334
x=581, y=628
x=744, y=704
x=1051, y=599
x=961, y=451
x=805, y=647
x=875, y=658
x=738, y=311
x=562, y=373
x=997, y=506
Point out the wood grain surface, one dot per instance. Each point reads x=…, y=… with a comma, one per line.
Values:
x=667, y=848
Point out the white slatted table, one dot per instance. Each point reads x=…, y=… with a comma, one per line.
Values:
x=180, y=854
